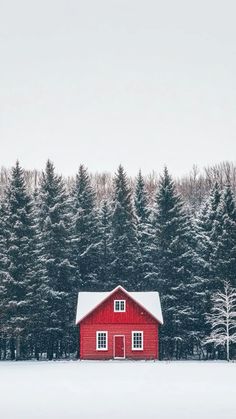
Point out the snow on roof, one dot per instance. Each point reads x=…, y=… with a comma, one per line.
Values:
x=88, y=301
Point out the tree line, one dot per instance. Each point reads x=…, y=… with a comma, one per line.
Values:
x=57, y=239
x=192, y=186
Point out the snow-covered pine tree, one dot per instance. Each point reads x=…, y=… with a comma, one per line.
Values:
x=55, y=271
x=86, y=240
x=141, y=199
x=224, y=256
x=19, y=269
x=174, y=258
x=124, y=235
x=222, y=319
x=4, y=279
x=37, y=296
x=206, y=225
x=105, y=251
x=145, y=268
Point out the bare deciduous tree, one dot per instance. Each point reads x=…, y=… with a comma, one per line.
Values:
x=223, y=319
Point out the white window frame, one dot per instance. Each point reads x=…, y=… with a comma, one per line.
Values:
x=133, y=332
x=119, y=311
x=97, y=333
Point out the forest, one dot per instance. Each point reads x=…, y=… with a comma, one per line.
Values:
x=91, y=232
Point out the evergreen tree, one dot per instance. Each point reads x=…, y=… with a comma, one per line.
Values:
x=4, y=279
x=206, y=230
x=141, y=199
x=19, y=258
x=224, y=256
x=86, y=234
x=206, y=226
x=175, y=259
x=37, y=296
x=105, y=250
x=145, y=235
x=55, y=271
x=124, y=235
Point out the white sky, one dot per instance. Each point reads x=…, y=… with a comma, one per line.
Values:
x=102, y=82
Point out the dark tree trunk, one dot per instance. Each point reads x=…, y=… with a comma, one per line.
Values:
x=12, y=349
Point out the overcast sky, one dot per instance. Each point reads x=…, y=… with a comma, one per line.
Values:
x=144, y=83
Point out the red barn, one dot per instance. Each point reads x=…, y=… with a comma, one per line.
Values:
x=118, y=324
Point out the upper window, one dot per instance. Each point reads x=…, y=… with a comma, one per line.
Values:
x=101, y=341
x=119, y=305
x=137, y=341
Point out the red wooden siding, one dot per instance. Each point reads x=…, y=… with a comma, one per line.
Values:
x=103, y=318
x=88, y=340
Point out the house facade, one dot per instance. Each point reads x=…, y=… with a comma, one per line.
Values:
x=119, y=324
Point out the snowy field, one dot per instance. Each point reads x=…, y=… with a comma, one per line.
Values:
x=113, y=389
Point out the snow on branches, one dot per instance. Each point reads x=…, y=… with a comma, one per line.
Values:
x=222, y=319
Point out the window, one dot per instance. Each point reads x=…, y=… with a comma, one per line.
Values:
x=137, y=341
x=101, y=341
x=119, y=305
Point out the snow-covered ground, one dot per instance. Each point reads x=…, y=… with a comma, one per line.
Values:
x=113, y=389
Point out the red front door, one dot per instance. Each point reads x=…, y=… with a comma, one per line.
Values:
x=119, y=346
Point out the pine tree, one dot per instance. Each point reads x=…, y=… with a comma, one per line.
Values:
x=206, y=230
x=141, y=200
x=55, y=271
x=144, y=234
x=4, y=279
x=124, y=235
x=105, y=250
x=19, y=258
x=37, y=298
x=175, y=259
x=224, y=256
x=206, y=227
x=86, y=234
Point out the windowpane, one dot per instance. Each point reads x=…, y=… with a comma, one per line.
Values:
x=119, y=305
x=137, y=341
x=101, y=340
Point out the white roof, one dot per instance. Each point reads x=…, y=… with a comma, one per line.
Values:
x=88, y=301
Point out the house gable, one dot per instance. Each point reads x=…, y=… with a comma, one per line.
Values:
x=134, y=313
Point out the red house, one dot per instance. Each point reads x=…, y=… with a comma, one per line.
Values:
x=118, y=324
